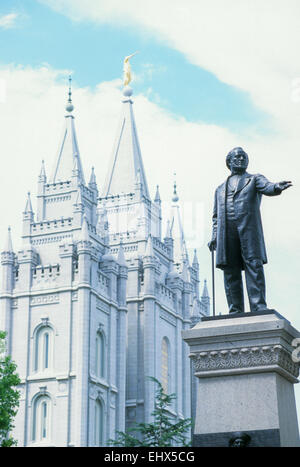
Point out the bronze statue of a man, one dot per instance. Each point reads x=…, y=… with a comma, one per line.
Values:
x=237, y=232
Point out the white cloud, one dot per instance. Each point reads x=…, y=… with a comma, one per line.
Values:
x=251, y=45
x=8, y=21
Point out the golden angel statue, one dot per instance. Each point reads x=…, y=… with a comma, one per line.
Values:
x=127, y=69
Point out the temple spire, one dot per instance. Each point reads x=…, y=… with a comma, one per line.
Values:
x=70, y=106
x=195, y=260
x=126, y=158
x=68, y=152
x=28, y=206
x=93, y=182
x=205, y=293
x=42, y=176
x=176, y=229
x=175, y=197
x=8, y=247
x=157, y=195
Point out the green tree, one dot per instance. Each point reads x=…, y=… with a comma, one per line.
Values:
x=9, y=396
x=162, y=431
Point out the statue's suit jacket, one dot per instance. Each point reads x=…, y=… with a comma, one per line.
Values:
x=246, y=201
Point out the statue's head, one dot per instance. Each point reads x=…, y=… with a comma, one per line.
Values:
x=239, y=440
x=237, y=160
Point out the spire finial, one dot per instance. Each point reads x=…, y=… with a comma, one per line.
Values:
x=8, y=245
x=127, y=69
x=127, y=76
x=28, y=207
x=195, y=259
x=70, y=106
x=205, y=293
x=175, y=195
x=42, y=175
x=92, y=182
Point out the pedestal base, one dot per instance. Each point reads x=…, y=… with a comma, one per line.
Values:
x=246, y=375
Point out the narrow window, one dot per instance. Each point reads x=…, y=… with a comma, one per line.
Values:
x=44, y=420
x=46, y=350
x=165, y=365
x=43, y=349
x=100, y=357
x=41, y=419
x=98, y=428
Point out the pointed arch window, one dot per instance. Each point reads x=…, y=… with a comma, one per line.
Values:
x=165, y=365
x=99, y=423
x=43, y=349
x=100, y=355
x=41, y=419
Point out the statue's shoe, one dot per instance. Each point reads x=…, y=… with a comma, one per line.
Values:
x=234, y=310
x=262, y=310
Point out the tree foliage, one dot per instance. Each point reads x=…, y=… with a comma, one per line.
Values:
x=162, y=431
x=9, y=396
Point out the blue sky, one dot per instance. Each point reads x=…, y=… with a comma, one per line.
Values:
x=95, y=53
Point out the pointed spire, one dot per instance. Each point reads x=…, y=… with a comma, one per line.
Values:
x=8, y=247
x=180, y=249
x=28, y=207
x=85, y=235
x=68, y=156
x=121, y=256
x=175, y=197
x=93, y=182
x=126, y=159
x=149, y=247
x=195, y=260
x=157, y=196
x=70, y=106
x=42, y=176
x=205, y=293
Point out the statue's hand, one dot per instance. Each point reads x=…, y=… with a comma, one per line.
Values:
x=212, y=245
x=283, y=185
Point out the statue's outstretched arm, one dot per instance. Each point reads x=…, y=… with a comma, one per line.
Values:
x=268, y=188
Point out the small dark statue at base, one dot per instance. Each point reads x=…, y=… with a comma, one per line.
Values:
x=239, y=440
x=237, y=232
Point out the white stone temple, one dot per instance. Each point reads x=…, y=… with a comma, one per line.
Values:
x=95, y=301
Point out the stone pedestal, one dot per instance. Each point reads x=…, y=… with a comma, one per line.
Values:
x=246, y=375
